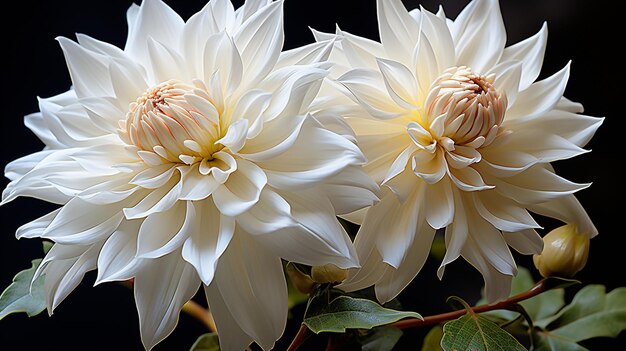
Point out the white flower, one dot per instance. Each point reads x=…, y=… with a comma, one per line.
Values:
x=191, y=158
x=457, y=130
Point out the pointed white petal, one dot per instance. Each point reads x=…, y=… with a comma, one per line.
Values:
x=260, y=40
x=530, y=53
x=116, y=260
x=398, y=30
x=162, y=286
x=540, y=97
x=153, y=19
x=252, y=285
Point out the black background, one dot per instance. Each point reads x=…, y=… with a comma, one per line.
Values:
x=104, y=317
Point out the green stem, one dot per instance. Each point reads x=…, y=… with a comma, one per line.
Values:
x=502, y=305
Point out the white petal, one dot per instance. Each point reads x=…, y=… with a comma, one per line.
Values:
x=260, y=40
x=162, y=286
x=82, y=223
x=197, y=186
x=536, y=185
x=351, y=190
x=456, y=234
x=88, y=69
x=242, y=189
x=153, y=19
x=162, y=233
x=165, y=63
x=154, y=177
x=251, y=107
x=64, y=267
x=318, y=239
x=158, y=200
x=366, y=86
x=491, y=244
x=395, y=280
x=439, y=37
x=479, y=35
x=221, y=55
x=400, y=83
x=301, y=165
x=269, y=214
x=440, y=208
x=530, y=52
x=306, y=55
x=568, y=210
x=116, y=260
x=236, y=135
x=398, y=30
x=36, y=228
x=252, y=285
x=541, y=96
x=526, y=242
x=293, y=90
x=497, y=285
x=503, y=213
x=231, y=336
x=208, y=240
x=276, y=137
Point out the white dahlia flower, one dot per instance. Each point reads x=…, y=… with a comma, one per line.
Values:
x=461, y=136
x=188, y=159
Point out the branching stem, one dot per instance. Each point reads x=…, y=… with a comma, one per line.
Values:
x=507, y=304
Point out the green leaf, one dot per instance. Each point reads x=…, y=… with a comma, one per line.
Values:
x=206, y=342
x=346, y=312
x=432, y=341
x=592, y=313
x=21, y=297
x=381, y=339
x=475, y=333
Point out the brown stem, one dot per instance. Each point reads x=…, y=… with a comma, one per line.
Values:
x=200, y=313
x=301, y=336
x=506, y=304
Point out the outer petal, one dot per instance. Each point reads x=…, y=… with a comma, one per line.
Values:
x=251, y=283
x=318, y=238
x=153, y=19
x=302, y=166
x=162, y=286
x=260, y=40
x=398, y=30
x=64, y=267
x=208, y=239
x=479, y=35
x=530, y=52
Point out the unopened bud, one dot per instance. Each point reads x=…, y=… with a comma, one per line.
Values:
x=302, y=282
x=328, y=273
x=565, y=252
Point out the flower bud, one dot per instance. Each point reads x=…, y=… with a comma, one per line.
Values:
x=565, y=252
x=328, y=273
x=302, y=282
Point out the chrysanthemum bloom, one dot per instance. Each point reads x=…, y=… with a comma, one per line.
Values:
x=191, y=158
x=461, y=136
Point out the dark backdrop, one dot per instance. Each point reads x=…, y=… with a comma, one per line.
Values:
x=104, y=317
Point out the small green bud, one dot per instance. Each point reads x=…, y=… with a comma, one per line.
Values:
x=328, y=273
x=565, y=252
x=302, y=282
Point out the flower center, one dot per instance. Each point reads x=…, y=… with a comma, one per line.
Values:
x=464, y=108
x=173, y=122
